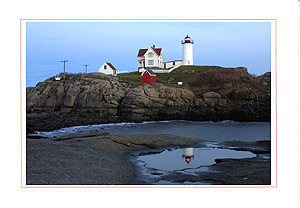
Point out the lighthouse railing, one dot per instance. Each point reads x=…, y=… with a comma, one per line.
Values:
x=187, y=41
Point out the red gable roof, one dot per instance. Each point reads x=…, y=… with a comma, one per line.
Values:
x=149, y=71
x=157, y=51
x=143, y=51
x=111, y=66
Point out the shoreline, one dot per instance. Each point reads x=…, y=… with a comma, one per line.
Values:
x=37, y=122
x=103, y=159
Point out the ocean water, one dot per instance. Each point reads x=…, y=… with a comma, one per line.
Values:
x=211, y=131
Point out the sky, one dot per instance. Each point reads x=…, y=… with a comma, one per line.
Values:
x=226, y=44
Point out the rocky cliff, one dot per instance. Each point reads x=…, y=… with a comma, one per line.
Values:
x=97, y=98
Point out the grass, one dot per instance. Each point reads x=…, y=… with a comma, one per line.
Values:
x=221, y=77
x=199, y=78
x=225, y=82
x=96, y=75
x=133, y=78
x=181, y=74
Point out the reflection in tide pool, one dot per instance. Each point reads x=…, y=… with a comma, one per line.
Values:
x=189, y=161
x=188, y=154
x=171, y=160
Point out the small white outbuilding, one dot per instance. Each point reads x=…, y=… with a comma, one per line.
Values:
x=108, y=68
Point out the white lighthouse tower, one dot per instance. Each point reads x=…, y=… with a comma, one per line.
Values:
x=187, y=55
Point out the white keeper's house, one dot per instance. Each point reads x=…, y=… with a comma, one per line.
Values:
x=152, y=58
x=108, y=68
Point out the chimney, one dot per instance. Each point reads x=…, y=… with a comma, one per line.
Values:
x=153, y=46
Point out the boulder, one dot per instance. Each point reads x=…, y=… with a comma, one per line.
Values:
x=169, y=103
x=212, y=95
x=69, y=100
x=243, y=69
x=222, y=102
x=211, y=101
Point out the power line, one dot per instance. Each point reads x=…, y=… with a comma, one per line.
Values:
x=38, y=77
x=75, y=63
x=51, y=70
x=33, y=63
x=85, y=67
x=64, y=68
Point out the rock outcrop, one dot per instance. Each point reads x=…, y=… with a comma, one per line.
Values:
x=156, y=102
x=83, y=100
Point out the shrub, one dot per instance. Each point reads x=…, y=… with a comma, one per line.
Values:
x=222, y=77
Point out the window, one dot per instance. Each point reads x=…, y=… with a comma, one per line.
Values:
x=150, y=62
x=105, y=67
x=150, y=54
x=173, y=63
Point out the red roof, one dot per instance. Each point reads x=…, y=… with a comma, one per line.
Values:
x=143, y=51
x=111, y=66
x=149, y=71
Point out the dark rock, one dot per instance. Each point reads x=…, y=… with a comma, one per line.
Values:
x=35, y=137
x=104, y=99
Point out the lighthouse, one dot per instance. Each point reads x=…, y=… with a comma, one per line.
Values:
x=187, y=55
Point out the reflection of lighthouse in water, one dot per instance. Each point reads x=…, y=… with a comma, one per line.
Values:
x=188, y=154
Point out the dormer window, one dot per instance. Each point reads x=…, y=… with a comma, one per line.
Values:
x=105, y=67
x=150, y=54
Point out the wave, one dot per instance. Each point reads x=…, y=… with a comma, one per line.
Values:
x=120, y=127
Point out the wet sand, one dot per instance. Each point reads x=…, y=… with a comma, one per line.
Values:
x=102, y=159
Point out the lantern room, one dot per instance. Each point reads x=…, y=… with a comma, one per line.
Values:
x=187, y=39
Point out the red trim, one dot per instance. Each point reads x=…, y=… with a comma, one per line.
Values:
x=139, y=19
x=21, y=98
x=147, y=186
x=276, y=97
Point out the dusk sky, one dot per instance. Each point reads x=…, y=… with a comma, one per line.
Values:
x=226, y=44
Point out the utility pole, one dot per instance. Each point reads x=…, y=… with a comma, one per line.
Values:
x=85, y=67
x=64, y=68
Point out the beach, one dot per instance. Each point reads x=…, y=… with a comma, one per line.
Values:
x=102, y=159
